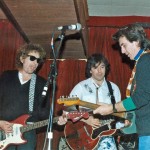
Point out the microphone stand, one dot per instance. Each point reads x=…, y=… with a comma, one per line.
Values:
x=53, y=75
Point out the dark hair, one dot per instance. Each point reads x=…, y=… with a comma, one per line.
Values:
x=93, y=60
x=133, y=32
x=24, y=50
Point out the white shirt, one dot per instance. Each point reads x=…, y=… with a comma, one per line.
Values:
x=21, y=78
x=86, y=91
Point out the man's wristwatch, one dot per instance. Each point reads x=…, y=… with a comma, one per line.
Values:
x=114, y=108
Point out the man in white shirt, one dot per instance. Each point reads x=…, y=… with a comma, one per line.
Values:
x=95, y=90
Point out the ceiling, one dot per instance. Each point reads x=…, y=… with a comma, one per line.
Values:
x=38, y=20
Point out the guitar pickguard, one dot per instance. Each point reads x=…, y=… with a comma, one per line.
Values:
x=12, y=138
x=105, y=130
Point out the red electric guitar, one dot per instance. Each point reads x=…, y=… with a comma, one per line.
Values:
x=20, y=126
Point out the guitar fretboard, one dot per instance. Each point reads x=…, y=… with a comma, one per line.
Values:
x=37, y=125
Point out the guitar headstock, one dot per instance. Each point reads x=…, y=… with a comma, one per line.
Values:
x=76, y=115
x=69, y=101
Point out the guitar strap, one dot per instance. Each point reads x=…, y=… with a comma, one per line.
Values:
x=31, y=93
x=128, y=90
x=111, y=92
x=129, y=84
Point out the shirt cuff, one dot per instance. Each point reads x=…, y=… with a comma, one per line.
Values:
x=128, y=104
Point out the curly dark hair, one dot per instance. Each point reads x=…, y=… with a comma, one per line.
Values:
x=24, y=50
x=93, y=60
x=133, y=32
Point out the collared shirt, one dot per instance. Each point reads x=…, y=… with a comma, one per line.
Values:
x=86, y=91
x=138, y=54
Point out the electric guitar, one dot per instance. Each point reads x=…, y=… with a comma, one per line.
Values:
x=80, y=135
x=124, y=115
x=20, y=126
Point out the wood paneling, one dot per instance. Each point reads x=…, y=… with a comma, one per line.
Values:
x=37, y=21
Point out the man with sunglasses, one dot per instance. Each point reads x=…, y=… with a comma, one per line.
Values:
x=21, y=93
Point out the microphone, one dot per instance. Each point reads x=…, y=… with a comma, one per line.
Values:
x=70, y=27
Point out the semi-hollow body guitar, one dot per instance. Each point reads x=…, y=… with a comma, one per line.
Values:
x=80, y=135
x=122, y=115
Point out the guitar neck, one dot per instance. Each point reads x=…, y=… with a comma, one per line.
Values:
x=94, y=106
x=36, y=125
x=88, y=104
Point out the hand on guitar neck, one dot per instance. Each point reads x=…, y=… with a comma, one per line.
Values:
x=19, y=127
x=106, y=109
x=77, y=115
x=62, y=120
x=101, y=109
x=70, y=101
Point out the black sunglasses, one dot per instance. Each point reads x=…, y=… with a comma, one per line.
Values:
x=32, y=58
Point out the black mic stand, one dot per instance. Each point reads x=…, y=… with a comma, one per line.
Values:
x=53, y=74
